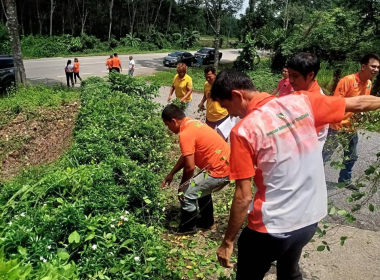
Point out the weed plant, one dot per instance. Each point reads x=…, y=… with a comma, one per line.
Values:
x=96, y=213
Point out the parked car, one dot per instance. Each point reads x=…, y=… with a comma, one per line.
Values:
x=178, y=56
x=7, y=73
x=207, y=55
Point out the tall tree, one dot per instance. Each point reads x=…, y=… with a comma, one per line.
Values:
x=13, y=28
x=52, y=7
x=215, y=10
x=110, y=27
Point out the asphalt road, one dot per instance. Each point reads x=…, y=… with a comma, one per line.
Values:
x=51, y=70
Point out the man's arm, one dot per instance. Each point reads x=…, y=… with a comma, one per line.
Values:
x=188, y=168
x=170, y=93
x=169, y=178
x=362, y=103
x=275, y=91
x=202, y=101
x=189, y=91
x=239, y=208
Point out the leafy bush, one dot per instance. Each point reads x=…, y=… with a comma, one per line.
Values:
x=96, y=212
x=248, y=57
x=5, y=46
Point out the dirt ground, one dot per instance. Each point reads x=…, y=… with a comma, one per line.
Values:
x=39, y=139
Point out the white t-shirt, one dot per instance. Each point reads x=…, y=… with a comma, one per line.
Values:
x=69, y=68
x=131, y=63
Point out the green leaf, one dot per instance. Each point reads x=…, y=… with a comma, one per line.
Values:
x=371, y=207
x=150, y=259
x=74, y=237
x=332, y=211
x=63, y=254
x=60, y=200
x=342, y=212
x=206, y=175
x=114, y=270
x=320, y=248
x=192, y=184
x=342, y=240
x=126, y=242
x=90, y=236
x=21, y=250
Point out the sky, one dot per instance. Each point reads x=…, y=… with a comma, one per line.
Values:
x=242, y=11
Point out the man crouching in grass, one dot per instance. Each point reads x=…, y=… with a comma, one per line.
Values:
x=201, y=146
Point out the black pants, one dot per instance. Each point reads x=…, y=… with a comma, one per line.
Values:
x=116, y=69
x=75, y=77
x=69, y=76
x=256, y=252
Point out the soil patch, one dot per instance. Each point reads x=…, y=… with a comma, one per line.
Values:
x=40, y=139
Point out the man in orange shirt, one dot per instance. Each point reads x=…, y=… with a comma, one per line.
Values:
x=109, y=63
x=303, y=68
x=116, y=63
x=350, y=86
x=276, y=144
x=201, y=146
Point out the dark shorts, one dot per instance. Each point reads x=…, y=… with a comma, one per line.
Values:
x=116, y=69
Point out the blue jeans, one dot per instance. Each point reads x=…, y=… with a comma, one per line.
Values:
x=187, y=108
x=350, y=153
x=201, y=187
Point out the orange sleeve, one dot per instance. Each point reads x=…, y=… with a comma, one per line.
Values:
x=242, y=158
x=327, y=109
x=187, y=143
x=343, y=87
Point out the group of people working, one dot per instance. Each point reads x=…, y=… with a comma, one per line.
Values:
x=279, y=142
x=113, y=63
x=72, y=72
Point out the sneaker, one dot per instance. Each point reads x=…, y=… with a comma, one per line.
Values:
x=352, y=187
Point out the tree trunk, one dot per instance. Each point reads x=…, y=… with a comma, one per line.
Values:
x=13, y=27
x=217, y=41
x=170, y=12
x=52, y=7
x=109, y=30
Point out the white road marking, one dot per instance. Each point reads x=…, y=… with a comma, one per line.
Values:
x=61, y=76
x=34, y=79
x=86, y=73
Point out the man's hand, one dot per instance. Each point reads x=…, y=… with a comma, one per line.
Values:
x=224, y=253
x=180, y=193
x=168, y=179
x=169, y=99
x=183, y=100
x=200, y=105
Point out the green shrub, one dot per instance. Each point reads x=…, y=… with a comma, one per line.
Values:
x=5, y=46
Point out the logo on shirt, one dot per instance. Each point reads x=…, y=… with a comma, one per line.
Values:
x=368, y=86
x=281, y=116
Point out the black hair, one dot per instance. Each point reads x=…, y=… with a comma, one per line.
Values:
x=229, y=80
x=68, y=62
x=210, y=69
x=115, y=54
x=365, y=59
x=172, y=111
x=304, y=63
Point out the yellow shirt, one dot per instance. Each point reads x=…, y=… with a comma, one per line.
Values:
x=182, y=86
x=350, y=86
x=214, y=112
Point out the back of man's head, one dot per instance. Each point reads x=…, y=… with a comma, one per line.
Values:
x=229, y=80
x=111, y=56
x=115, y=54
x=365, y=59
x=172, y=111
x=304, y=63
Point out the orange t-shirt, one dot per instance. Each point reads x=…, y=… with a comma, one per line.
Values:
x=109, y=63
x=350, y=86
x=76, y=67
x=116, y=62
x=211, y=152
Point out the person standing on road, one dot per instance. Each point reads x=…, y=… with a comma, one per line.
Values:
x=131, y=66
x=200, y=146
x=183, y=86
x=352, y=85
x=302, y=71
x=116, y=63
x=284, y=86
x=69, y=71
x=215, y=114
x=109, y=63
x=276, y=143
x=76, y=70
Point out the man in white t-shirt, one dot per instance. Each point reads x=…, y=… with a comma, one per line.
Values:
x=131, y=66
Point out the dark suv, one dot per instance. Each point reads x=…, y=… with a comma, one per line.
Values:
x=7, y=73
x=172, y=59
x=207, y=55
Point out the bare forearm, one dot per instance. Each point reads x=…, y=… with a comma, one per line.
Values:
x=203, y=100
x=171, y=91
x=362, y=103
x=188, y=173
x=239, y=208
x=179, y=165
x=187, y=94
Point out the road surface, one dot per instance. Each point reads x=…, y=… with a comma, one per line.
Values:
x=51, y=70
